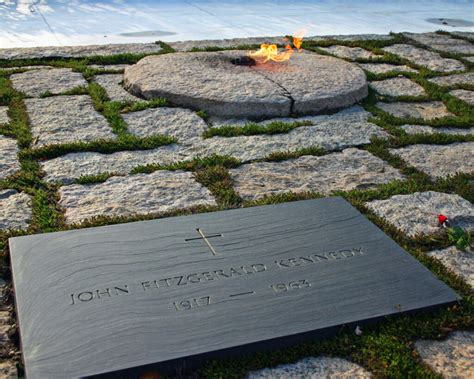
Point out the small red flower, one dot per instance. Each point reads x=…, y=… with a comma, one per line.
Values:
x=442, y=219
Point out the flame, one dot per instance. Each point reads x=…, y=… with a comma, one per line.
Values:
x=269, y=52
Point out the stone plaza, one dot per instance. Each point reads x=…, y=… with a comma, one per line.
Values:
x=100, y=135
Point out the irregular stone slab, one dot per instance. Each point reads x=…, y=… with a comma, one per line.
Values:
x=383, y=68
x=349, y=52
x=443, y=42
x=426, y=58
x=453, y=80
x=9, y=163
x=35, y=67
x=79, y=51
x=66, y=119
x=464, y=95
x=183, y=124
x=307, y=84
x=36, y=82
x=332, y=132
x=418, y=212
x=15, y=210
x=425, y=129
x=112, y=85
x=452, y=358
x=400, y=86
x=470, y=59
x=4, y=115
x=428, y=110
x=460, y=262
x=439, y=160
x=224, y=43
x=160, y=191
x=67, y=168
x=115, y=67
x=314, y=368
x=347, y=170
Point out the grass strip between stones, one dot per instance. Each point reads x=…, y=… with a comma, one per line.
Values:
x=249, y=129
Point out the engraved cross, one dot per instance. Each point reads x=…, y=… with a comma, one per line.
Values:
x=205, y=238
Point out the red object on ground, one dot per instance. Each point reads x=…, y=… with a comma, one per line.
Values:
x=442, y=219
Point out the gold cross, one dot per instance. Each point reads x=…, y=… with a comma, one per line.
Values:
x=205, y=238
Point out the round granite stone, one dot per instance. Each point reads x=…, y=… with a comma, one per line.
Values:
x=306, y=84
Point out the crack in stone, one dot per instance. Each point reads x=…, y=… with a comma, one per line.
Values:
x=287, y=93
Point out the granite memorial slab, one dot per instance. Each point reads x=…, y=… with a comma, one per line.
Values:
x=115, y=301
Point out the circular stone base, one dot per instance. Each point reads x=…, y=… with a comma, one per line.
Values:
x=307, y=84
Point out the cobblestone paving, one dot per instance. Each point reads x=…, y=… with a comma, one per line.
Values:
x=3, y=115
x=417, y=213
x=54, y=81
x=350, y=169
x=314, y=368
x=440, y=160
x=461, y=262
x=452, y=358
x=63, y=119
x=426, y=58
x=112, y=85
x=398, y=87
x=424, y=111
x=53, y=173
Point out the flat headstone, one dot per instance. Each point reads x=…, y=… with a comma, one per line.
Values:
x=396, y=87
x=344, y=171
x=306, y=84
x=54, y=81
x=427, y=110
x=112, y=83
x=439, y=160
x=102, y=300
x=452, y=357
x=417, y=213
x=141, y=194
x=66, y=119
x=426, y=58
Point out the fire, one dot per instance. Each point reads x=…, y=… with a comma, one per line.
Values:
x=269, y=52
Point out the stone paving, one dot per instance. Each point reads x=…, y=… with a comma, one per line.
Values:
x=426, y=58
x=425, y=129
x=396, y=87
x=66, y=119
x=314, y=368
x=321, y=153
x=424, y=111
x=439, y=160
x=37, y=82
x=4, y=115
x=417, y=213
x=348, y=170
x=452, y=358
